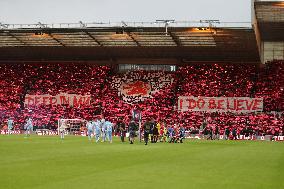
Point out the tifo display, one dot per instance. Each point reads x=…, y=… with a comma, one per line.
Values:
x=203, y=99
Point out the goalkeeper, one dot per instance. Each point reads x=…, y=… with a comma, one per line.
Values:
x=62, y=129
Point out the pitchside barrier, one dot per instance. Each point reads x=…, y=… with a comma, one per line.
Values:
x=46, y=132
x=42, y=132
x=240, y=137
x=14, y=132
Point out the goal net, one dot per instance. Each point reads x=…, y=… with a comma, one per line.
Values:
x=72, y=126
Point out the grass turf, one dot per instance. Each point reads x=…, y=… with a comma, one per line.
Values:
x=46, y=162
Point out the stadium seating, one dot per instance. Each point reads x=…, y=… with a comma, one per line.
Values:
x=236, y=80
x=18, y=80
x=12, y=89
x=217, y=80
x=270, y=86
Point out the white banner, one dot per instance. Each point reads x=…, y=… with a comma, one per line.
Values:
x=220, y=104
x=60, y=99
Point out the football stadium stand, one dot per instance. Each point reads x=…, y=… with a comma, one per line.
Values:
x=159, y=101
x=54, y=71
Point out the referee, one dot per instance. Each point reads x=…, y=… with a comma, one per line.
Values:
x=132, y=130
x=147, y=129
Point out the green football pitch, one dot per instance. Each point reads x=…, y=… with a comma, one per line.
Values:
x=46, y=162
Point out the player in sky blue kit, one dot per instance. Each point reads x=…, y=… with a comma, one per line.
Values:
x=97, y=125
x=90, y=127
x=10, y=125
x=103, y=127
x=29, y=127
x=108, y=126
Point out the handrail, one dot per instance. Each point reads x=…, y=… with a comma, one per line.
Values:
x=81, y=24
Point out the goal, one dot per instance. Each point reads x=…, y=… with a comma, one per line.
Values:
x=73, y=126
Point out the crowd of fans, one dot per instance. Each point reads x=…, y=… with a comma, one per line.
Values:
x=108, y=98
x=270, y=86
x=217, y=80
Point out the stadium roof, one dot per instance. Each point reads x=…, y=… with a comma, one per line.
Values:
x=201, y=43
x=270, y=19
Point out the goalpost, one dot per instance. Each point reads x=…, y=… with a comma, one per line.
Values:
x=71, y=125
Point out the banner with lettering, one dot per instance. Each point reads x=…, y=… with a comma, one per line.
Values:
x=60, y=99
x=220, y=104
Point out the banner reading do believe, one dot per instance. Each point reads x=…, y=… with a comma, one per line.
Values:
x=220, y=104
x=60, y=99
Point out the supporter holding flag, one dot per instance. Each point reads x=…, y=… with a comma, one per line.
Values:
x=137, y=117
x=136, y=114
